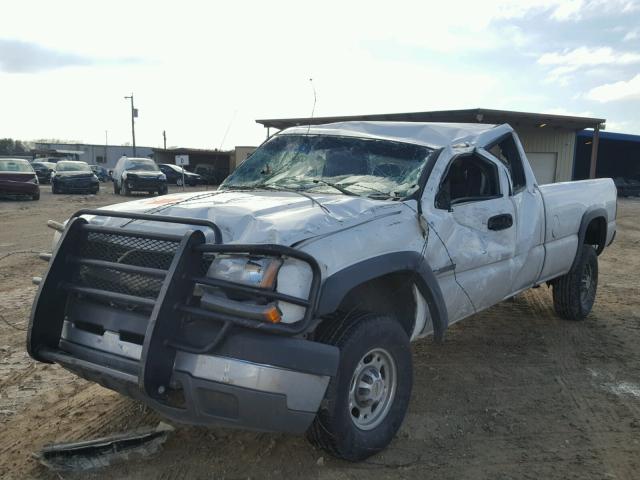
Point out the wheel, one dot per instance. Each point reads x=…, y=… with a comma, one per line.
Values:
x=35, y=196
x=95, y=191
x=54, y=189
x=116, y=190
x=575, y=292
x=163, y=190
x=179, y=182
x=125, y=189
x=367, y=400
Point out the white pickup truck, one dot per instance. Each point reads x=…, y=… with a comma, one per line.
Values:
x=286, y=300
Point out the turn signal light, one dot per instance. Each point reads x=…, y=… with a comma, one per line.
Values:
x=272, y=315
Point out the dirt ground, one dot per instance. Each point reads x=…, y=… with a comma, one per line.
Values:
x=514, y=392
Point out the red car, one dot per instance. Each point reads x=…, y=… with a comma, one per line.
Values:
x=17, y=177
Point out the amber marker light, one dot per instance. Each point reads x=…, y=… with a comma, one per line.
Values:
x=272, y=314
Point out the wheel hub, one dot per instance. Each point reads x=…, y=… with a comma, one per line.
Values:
x=373, y=387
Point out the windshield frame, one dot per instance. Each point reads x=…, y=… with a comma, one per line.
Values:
x=338, y=187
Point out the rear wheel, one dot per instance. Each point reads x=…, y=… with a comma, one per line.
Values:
x=367, y=400
x=575, y=292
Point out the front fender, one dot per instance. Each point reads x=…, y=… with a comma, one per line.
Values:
x=336, y=287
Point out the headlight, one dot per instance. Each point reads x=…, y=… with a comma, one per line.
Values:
x=162, y=176
x=95, y=177
x=253, y=271
x=34, y=180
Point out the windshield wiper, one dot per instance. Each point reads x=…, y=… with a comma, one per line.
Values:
x=336, y=186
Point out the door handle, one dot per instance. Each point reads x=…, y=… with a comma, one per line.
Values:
x=500, y=222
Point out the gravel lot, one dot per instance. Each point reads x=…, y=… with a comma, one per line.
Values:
x=513, y=393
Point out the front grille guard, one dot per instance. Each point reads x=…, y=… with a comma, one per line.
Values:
x=161, y=339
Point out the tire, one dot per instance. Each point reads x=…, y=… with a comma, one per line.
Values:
x=341, y=427
x=116, y=190
x=54, y=189
x=125, y=189
x=35, y=196
x=575, y=292
x=163, y=190
x=95, y=191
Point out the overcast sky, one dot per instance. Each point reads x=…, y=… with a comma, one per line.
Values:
x=202, y=69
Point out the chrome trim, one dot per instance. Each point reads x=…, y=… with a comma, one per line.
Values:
x=303, y=391
x=108, y=342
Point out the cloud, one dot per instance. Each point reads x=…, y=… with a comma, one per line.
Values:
x=576, y=10
x=569, y=61
x=17, y=56
x=622, y=90
x=631, y=35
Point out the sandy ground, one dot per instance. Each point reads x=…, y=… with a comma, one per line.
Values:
x=514, y=393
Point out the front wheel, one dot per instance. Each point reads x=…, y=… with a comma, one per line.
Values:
x=163, y=190
x=125, y=189
x=575, y=292
x=35, y=196
x=367, y=400
x=116, y=190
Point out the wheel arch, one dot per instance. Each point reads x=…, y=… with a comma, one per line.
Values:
x=339, y=288
x=592, y=231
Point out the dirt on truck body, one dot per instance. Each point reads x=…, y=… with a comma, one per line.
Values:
x=514, y=392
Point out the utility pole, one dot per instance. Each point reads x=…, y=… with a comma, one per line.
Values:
x=134, y=114
x=164, y=136
x=106, y=143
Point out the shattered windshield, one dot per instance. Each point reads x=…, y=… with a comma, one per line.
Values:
x=333, y=164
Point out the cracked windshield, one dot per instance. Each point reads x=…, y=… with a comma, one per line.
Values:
x=332, y=164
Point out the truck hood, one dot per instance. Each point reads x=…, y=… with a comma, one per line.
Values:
x=283, y=218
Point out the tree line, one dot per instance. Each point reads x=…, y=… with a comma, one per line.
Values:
x=9, y=146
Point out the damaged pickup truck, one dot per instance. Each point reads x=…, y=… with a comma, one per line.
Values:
x=287, y=299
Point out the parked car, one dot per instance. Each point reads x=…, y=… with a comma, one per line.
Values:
x=43, y=170
x=72, y=176
x=17, y=177
x=138, y=174
x=209, y=174
x=174, y=175
x=100, y=172
x=287, y=299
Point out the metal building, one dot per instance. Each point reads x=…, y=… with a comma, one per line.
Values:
x=103, y=155
x=549, y=140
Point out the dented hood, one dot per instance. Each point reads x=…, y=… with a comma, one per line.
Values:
x=257, y=216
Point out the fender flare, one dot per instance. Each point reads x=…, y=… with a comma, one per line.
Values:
x=337, y=286
x=587, y=217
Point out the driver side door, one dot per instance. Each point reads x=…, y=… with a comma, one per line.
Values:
x=474, y=220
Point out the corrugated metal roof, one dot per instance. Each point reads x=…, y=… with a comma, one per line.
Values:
x=474, y=115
